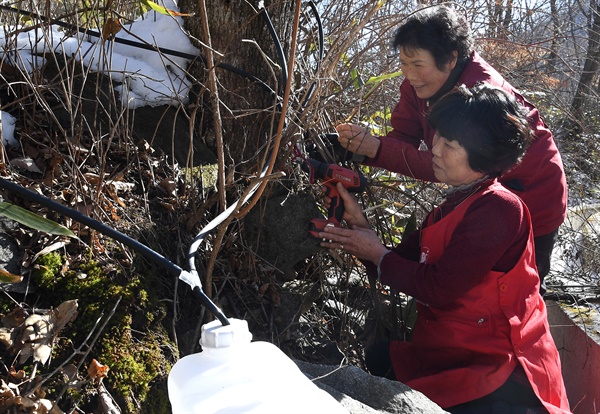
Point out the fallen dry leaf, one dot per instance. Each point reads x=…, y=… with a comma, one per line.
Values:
x=65, y=313
x=6, y=337
x=40, y=330
x=16, y=375
x=33, y=403
x=7, y=277
x=111, y=28
x=15, y=318
x=25, y=164
x=169, y=186
x=97, y=371
x=112, y=192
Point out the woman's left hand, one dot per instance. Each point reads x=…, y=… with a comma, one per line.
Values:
x=360, y=242
x=357, y=139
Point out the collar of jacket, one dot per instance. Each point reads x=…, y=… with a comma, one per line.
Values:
x=452, y=80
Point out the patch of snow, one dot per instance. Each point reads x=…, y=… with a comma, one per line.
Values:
x=146, y=77
x=8, y=129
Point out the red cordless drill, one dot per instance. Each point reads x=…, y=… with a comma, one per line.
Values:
x=331, y=174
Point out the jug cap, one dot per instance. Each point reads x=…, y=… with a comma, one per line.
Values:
x=217, y=335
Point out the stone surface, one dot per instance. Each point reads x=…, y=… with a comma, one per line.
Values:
x=362, y=393
x=9, y=255
x=277, y=231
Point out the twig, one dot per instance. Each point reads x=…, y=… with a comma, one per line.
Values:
x=85, y=354
x=214, y=97
x=331, y=372
x=219, y=237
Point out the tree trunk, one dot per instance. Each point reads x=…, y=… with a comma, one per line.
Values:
x=591, y=64
x=243, y=49
x=553, y=58
x=507, y=19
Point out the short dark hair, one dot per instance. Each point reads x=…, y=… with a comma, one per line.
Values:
x=439, y=30
x=488, y=122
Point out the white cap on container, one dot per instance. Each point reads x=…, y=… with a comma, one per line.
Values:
x=217, y=335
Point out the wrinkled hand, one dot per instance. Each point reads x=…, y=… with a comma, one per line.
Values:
x=357, y=139
x=360, y=242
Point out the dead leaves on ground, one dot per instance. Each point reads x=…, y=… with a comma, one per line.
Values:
x=7, y=277
x=27, y=335
x=35, y=336
x=34, y=403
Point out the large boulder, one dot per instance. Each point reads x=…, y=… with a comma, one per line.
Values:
x=363, y=393
x=277, y=231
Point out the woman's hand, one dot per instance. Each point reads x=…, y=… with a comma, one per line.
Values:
x=360, y=242
x=357, y=140
x=353, y=214
x=359, y=239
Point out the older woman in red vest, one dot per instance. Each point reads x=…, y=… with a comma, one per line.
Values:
x=481, y=343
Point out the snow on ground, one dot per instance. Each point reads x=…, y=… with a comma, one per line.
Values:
x=576, y=256
x=7, y=126
x=147, y=77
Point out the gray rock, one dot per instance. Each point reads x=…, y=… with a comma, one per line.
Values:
x=10, y=255
x=277, y=231
x=362, y=393
x=9, y=252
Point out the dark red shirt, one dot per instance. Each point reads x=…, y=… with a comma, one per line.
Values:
x=468, y=346
x=492, y=236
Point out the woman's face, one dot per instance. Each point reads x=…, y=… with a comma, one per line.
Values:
x=451, y=162
x=418, y=66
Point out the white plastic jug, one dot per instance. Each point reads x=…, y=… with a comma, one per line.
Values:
x=234, y=375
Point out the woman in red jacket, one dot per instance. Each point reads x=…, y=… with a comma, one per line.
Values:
x=481, y=343
x=436, y=54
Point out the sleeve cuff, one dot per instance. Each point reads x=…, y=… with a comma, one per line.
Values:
x=379, y=265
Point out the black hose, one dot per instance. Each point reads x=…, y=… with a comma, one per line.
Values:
x=95, y=33
x=312, y=87
x=282, y=59
x=150, y=254
x=313, y=6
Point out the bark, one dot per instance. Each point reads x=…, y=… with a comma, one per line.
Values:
x=500, y=18
x=243, y=48
x=553, y=58
x=590, y=66
x=507, y=19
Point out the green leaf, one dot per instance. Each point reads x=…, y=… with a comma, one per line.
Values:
x=163, y=10
x=381, y=78
x=378, y=80
x=32, y=220
x=356, y=78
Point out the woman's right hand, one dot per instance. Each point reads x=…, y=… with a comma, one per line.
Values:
x=357, y=139
x=353, y=214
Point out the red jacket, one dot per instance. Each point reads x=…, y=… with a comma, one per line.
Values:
x=468, y=348
x=540, y=174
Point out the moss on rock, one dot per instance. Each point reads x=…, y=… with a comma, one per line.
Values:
x=134, y=344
